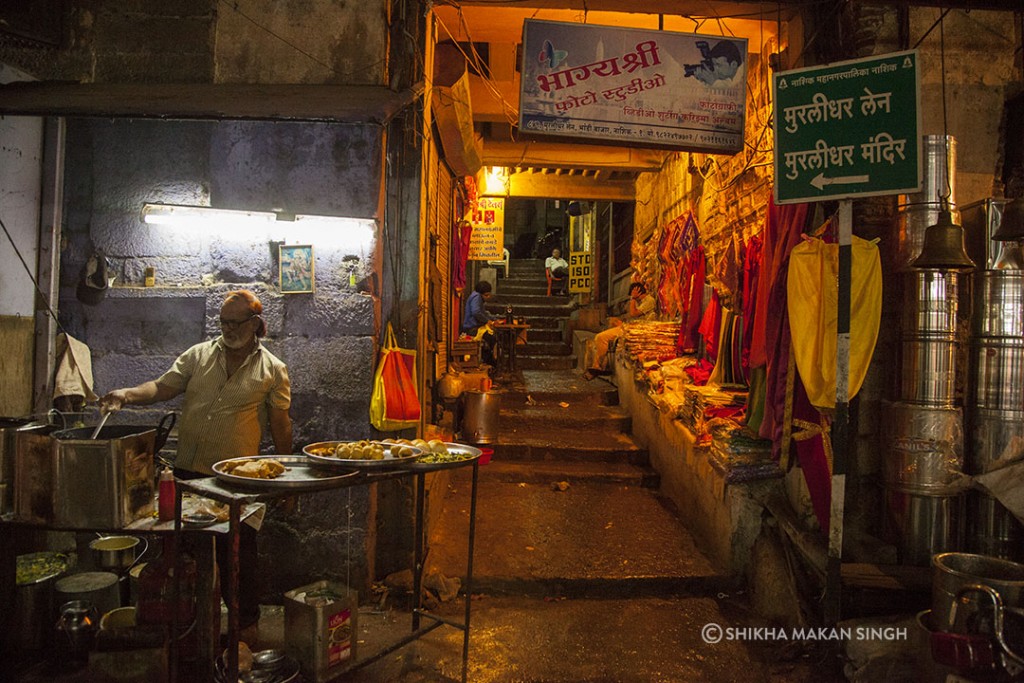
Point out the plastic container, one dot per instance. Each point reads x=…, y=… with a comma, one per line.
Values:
x=166, y=495
x=485, y=456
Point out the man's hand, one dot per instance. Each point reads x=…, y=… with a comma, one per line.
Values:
x=114, y=401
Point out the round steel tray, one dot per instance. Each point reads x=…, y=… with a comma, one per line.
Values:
x=389, y=462
x=469, y=455
x=297, y=475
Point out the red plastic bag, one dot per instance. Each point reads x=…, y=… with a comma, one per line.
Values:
x=395, y=404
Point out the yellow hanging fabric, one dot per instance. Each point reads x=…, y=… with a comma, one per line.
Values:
x=812, y=301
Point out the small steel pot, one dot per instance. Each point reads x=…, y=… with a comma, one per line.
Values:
x=115, y=552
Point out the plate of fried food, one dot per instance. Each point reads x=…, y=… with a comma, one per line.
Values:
x=361, y=454
x=440, y=455
x=276, y=471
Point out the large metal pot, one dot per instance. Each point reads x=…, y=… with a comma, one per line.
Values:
x=996, y=438
x=998, y=302
x=992, y=529
x=997, y=371
x=928, y=373
x=922, y=525
x=8, y=428
x=954, y=571
x=930, y=303
x=115, y=552
x=480, y=413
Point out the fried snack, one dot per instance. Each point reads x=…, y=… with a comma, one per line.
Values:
x=231, y=465
x=266, y=468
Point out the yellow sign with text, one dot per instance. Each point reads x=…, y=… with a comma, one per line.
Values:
x=487, y=242
x=581, y=272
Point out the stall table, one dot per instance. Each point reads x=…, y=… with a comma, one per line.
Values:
x=236, y=497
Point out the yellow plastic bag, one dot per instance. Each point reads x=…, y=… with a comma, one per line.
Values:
x=812, y=292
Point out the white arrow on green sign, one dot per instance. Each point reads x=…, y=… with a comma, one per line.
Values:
x=848, y=129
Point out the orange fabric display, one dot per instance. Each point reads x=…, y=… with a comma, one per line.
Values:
x=394, y=404
x=812, y=302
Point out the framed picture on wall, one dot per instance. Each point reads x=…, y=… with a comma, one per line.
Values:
x=296, y=268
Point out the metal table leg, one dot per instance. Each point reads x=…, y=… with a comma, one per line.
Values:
x=175, y=585
x=469, y=572
x=234, y=533
x=417, y=574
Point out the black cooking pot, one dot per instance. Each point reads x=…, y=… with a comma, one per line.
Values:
x=163, y=430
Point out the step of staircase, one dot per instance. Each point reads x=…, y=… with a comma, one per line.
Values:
x=543, y=336
x=577, y=415
x=551, y=388
x=526, y=362
x=538, y=348
x=522, y=286
x=520, y=444
x=560, y=311
x=545, y=472
x=541, y=299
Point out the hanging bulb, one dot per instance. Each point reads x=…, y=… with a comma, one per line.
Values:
x=943, y=246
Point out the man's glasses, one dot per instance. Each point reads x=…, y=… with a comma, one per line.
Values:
x=234, y=324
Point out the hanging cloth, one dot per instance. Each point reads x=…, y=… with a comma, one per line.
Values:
x=460, y=247
x=74, y=369
x=812, y=304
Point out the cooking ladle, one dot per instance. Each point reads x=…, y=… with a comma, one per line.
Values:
x=103, y=421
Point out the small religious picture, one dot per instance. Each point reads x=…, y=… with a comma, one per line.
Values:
x=296, y=263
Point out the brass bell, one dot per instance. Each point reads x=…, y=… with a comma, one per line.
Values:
x=943, y=246
x=1011, y=227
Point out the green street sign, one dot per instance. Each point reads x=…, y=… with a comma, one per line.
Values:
x=848, y=129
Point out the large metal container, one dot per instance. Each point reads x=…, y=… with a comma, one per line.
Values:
x=480, y=416
x=953, y=571
x=928, y=371
x=996, y=438
x=34, y=470
x=922, y=447
x=938, y=153
x=8, y=428
x=106, y=482
x=981, y=220
x=321, y=628
x=997, y=373
x=920, y=525
x=998, y=304
x=930, y=303
x=992, y=529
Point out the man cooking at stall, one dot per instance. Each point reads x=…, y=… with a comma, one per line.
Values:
x=232, y=386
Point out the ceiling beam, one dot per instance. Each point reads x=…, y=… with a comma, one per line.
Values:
x=562, y=155
x=570, y=187
x=336, y=103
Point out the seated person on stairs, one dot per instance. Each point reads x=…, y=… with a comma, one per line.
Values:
x=641, y=307
x=557, y=271
x=476, y=322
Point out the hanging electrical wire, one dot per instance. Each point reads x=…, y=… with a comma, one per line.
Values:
x=28, y=271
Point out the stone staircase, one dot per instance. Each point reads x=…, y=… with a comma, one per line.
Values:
x=526, y=289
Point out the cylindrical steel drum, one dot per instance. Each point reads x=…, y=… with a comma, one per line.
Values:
x=992, y=529
x=953, y=571
x=480, y=416
x=999, y=303
x=922, y=447
x=920, y=526
x=99, y=588
x=938, y=153
x=928, y=374
x=997, y=373
x=929, y=303
x=996, y=438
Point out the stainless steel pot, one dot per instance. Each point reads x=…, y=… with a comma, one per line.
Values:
x=992, y=529
x=953, y=571
x=928, y=374
x=115, y=552
x=98, y=588
x=997, y=372
x=938, y=153
x=930, y=303
x=480, y=414
x=998, y=302
x=920, y=525
x=996, y=438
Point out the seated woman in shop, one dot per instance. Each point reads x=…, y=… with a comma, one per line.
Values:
x=641, y=307
x=476, y=321
x=558, y=270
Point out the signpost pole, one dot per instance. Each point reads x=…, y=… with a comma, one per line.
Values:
x=841, y=420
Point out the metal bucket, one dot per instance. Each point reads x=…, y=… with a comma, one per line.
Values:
x=928, y=374
x=115, y=552
x=998, y=303
x=480, y=416
x=99, y=588
x=929, y=303
x=953, y=571
x=997, y=373
x=29, y=625
x=996, y=438
x=992, y=529
x=921, y=526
